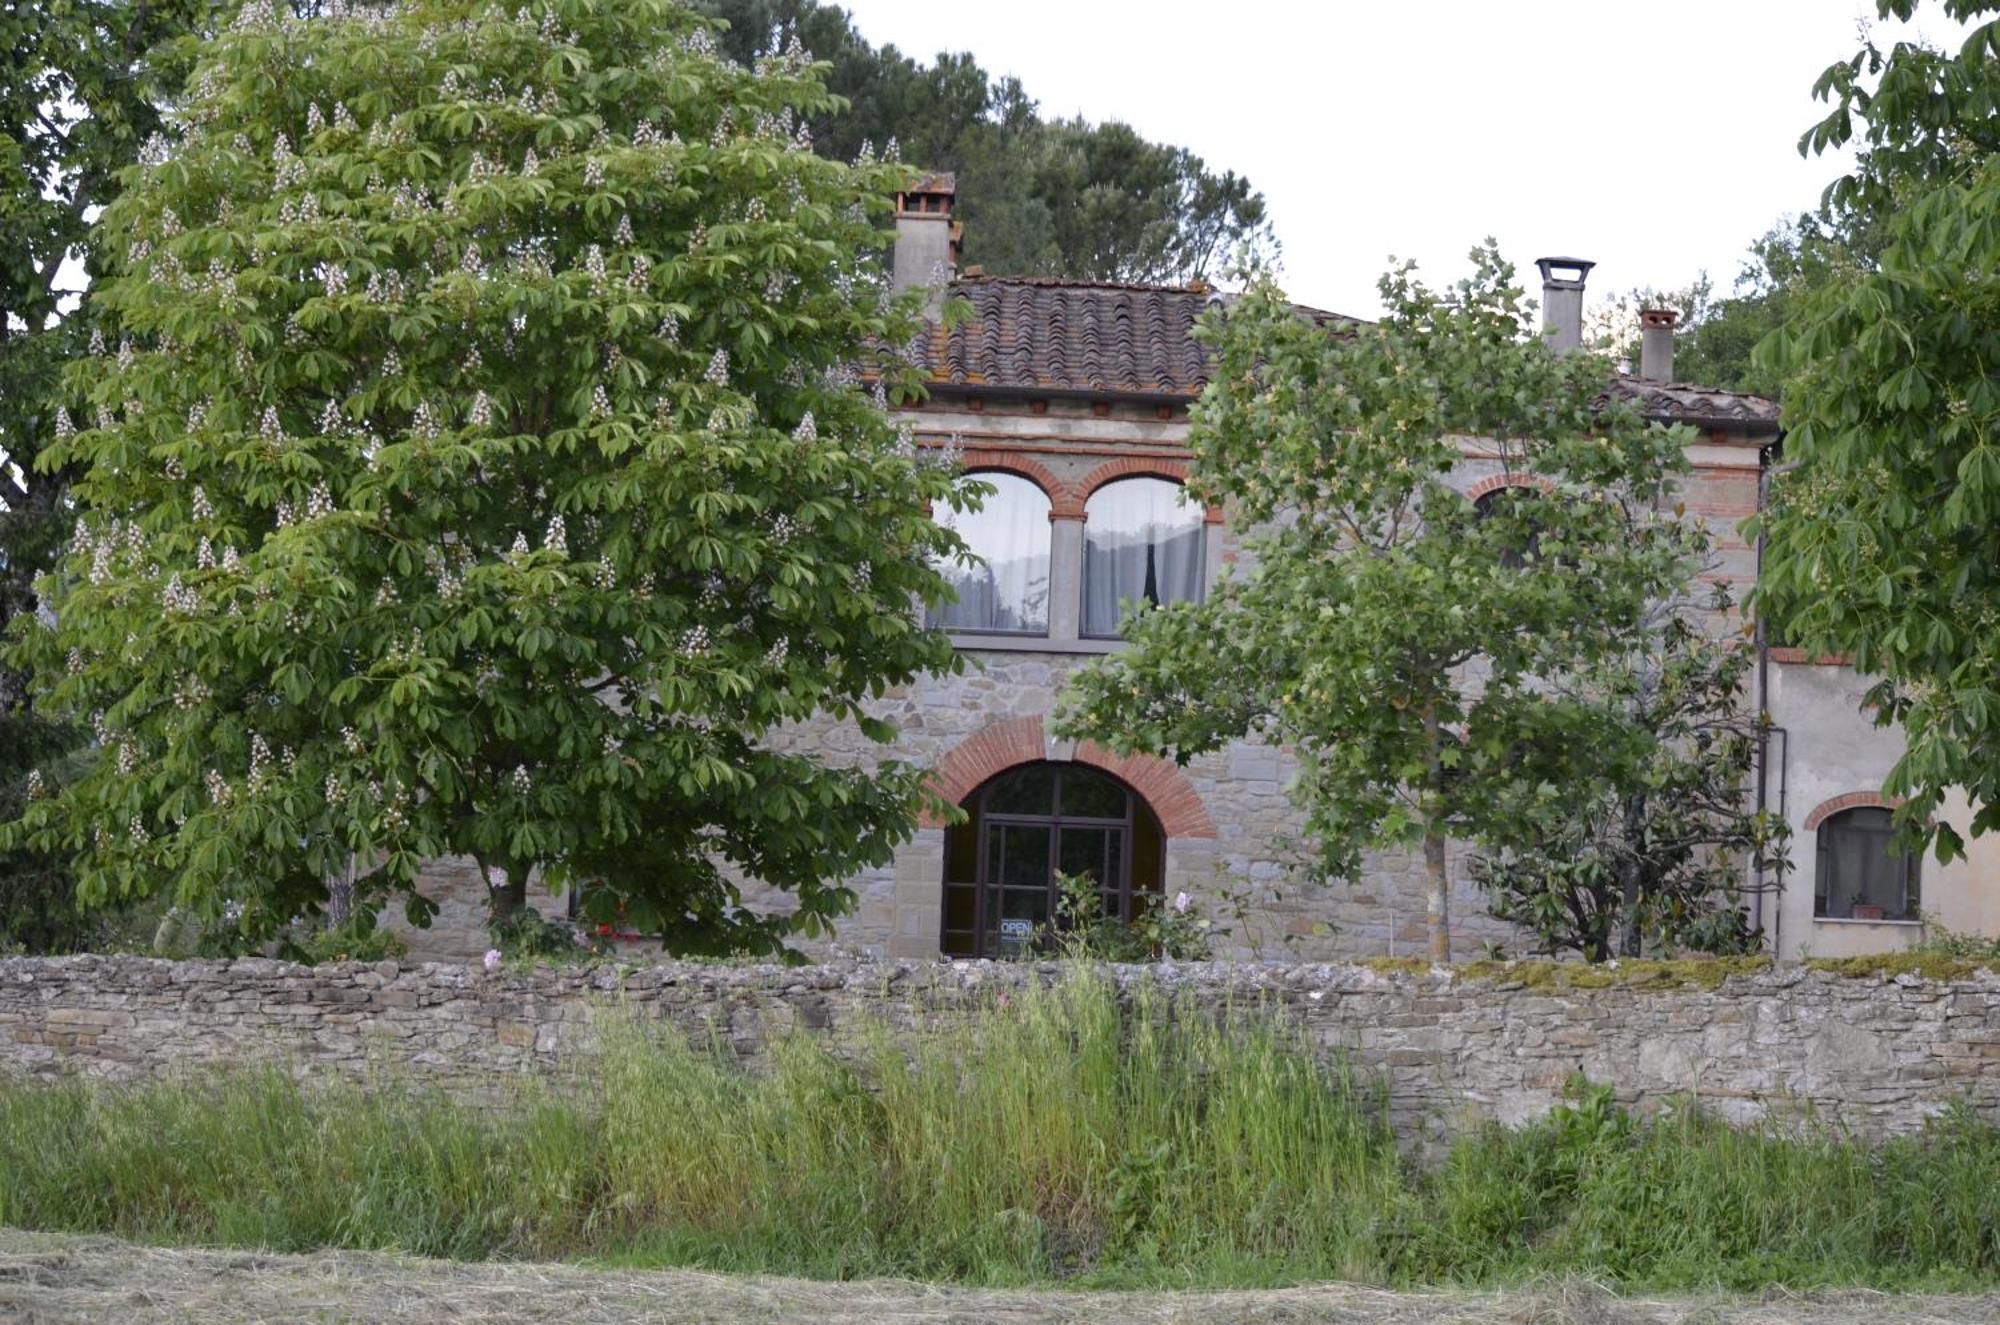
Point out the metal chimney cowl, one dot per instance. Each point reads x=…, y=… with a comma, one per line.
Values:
x=1562, y=301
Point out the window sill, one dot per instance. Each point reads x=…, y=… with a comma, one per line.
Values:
x=1850, y=920
x=1032, y=644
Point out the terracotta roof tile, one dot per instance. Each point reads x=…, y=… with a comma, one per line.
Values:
x=1035, y=333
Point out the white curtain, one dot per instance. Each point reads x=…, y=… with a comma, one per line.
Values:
x=1009, y=590
x=1142, y=544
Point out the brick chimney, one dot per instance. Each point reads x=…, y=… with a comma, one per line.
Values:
x=1562, y=301
x=926, y=237
x=1656, y=343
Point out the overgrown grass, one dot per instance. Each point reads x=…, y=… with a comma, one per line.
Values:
x=1059, y=1137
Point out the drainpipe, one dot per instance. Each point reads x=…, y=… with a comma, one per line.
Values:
x=1764, y=700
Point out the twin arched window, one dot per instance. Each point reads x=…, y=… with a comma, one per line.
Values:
x=1143, y=543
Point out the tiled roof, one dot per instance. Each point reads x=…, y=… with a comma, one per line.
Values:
x=1682, y=402
x=1027, y=333
x=1040, y=334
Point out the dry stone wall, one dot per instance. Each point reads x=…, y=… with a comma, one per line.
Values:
x=1872, y=1054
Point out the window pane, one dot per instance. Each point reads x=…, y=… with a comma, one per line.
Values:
x=1084, y=852
x=1861, y=874
x=1091, y=795
x=1523, y=509
x=1030, y=790
x=1009, y=590
x=1142, y=544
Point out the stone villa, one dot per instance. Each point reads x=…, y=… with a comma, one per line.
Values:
x=1072, y=398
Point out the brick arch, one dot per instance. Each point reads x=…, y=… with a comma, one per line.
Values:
x=993, y=750
x=1852, y=800
x=1495, y=482
x=1174, y=471
x=1064, y=504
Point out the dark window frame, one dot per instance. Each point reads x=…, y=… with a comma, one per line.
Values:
x=986, y=891
x=1856, y=828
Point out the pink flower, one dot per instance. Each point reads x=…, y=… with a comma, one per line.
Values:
x=1181, y=902
x=492, y=959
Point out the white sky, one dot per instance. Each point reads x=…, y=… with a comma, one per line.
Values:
x=1657, y=137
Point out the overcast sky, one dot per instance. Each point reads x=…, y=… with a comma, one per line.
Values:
x=1656, y=137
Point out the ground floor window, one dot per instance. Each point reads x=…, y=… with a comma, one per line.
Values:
x=1024, y=828
x=1859, y=873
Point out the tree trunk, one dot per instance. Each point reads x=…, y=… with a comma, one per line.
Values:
x=1630, y=939
x=340, y=897
x=1437, y=886
x=506, y=891
x=1437, y=900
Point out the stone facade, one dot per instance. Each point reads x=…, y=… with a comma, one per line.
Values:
x=1075, y=385
x=1873, y=1055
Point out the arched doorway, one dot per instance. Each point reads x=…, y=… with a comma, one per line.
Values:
x=1028, y=824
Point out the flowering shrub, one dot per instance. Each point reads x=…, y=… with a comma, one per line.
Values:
x=1158, y=928
x=478, y=465
x=528, y=934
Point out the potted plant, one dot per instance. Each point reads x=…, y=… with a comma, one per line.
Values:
x=1865, y=911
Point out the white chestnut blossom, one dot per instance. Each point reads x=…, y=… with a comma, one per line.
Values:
x=178, y=599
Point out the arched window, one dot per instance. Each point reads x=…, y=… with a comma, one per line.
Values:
x=1859, y=873
x=1522, y=508
x=1022, y=829
x=1009, y=590
x=1142, y=544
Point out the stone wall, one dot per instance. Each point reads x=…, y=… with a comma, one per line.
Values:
x=1876, y=1055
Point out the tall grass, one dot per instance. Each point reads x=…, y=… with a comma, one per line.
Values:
x=1059, y=1137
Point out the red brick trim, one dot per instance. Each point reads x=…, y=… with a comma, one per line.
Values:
x=1063, y=503
x=1174, y=471
x=995, y=749
x=1495, y=482
x=1848, y=801
x=1165, y=788
x=1799, y=657
x=1132, y=467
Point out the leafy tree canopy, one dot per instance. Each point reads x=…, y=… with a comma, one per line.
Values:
x=477, y=466
x=1038, y=197
x=1884, y=528
x=81, y=86
x=1653, y=851
x=1394, y=633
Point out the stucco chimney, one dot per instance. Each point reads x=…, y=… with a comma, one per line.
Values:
x=926, y=236
x=1656, y=343
x=1562, y=301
